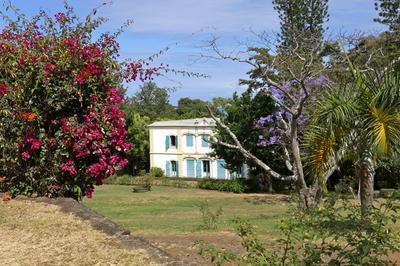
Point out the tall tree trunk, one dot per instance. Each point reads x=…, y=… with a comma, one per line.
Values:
x=298, y=166
x=309, y=196
x=365, y=174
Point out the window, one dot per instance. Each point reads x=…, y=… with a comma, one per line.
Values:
x=190, y=168
x=204, y=141
x=189, y=140
x=174, y=168
x=206, y=168
x=173, y=140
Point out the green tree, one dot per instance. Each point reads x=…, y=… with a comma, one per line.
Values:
x=389, y=13
x=191, y=108
x=152, y=101
x=138, y=135
x=361, y=122
x=241, y=116
x=219, y=105
x=301, y=19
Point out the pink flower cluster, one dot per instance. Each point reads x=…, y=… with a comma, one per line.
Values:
x=77, y=111
x=69, y=167
x=30, y=146
x=89, y=70
x=115, y=96
x=98, y=136
x=136, y=71
x=3, y=90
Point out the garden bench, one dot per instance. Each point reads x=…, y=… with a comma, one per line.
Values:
x=145, y=188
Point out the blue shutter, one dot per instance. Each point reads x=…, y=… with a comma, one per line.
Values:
x=198, y=169
x=166, y=142
x=190, y=168
x=189, y=140
x=167, y=168
x=221, y=170
x=204, y=141
x=177, y=168
x=176, y=142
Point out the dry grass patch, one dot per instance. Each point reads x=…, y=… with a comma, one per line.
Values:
x=34, y=233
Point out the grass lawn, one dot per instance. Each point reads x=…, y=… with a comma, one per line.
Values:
x=168, y=210
x=170, y=218
x=33, y=233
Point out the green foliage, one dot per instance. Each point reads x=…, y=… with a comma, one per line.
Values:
x=235, y=185
x=147, y=179
x=256, y=252
x=191, y=108
x=396, y=194
x=241, y=116
x=386, y=192
x=335, y=233
x=363, y=116
x=138, y=135
x=389, y=13
x=209, y=217
x=157, y=171
x=301, y=22
x=387, y=175
x=152, y=101
x=120, y=180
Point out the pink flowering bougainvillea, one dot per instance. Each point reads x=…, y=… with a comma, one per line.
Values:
x=62, y=128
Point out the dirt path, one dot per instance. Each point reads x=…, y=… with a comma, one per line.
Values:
x=182, y=246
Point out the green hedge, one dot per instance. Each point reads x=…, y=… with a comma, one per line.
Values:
x=157, y=172
x=389, y=193
x=235, y=186
x=149, y=179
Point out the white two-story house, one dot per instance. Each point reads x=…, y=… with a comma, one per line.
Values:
x=182, y=149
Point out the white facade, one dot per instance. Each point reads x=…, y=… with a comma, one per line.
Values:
x=181, y=149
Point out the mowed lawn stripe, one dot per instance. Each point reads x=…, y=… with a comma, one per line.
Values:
x=168, y=210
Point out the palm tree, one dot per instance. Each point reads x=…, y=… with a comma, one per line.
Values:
x=361, y=122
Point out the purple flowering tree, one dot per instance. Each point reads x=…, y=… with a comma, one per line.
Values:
x=294, y=78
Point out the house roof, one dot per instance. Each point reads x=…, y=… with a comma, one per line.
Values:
x=197, y=122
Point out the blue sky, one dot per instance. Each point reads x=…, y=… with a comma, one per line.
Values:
x=161, y=23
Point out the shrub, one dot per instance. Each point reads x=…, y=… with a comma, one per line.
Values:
x=142, y=172
x=386, y=192
x=235, y=185
x=396, y=194
x=61, y=126
x=209, y=217
x=157, y=172
x=334, y=233
x=125, y=180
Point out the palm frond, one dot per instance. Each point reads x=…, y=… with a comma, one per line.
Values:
x=335, y=110
x=320, y=145
x=389, y=90
x=382, y=129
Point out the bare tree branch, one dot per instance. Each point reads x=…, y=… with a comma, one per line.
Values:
x=238, y=146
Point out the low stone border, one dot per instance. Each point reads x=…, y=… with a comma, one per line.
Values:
x=104, y=224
